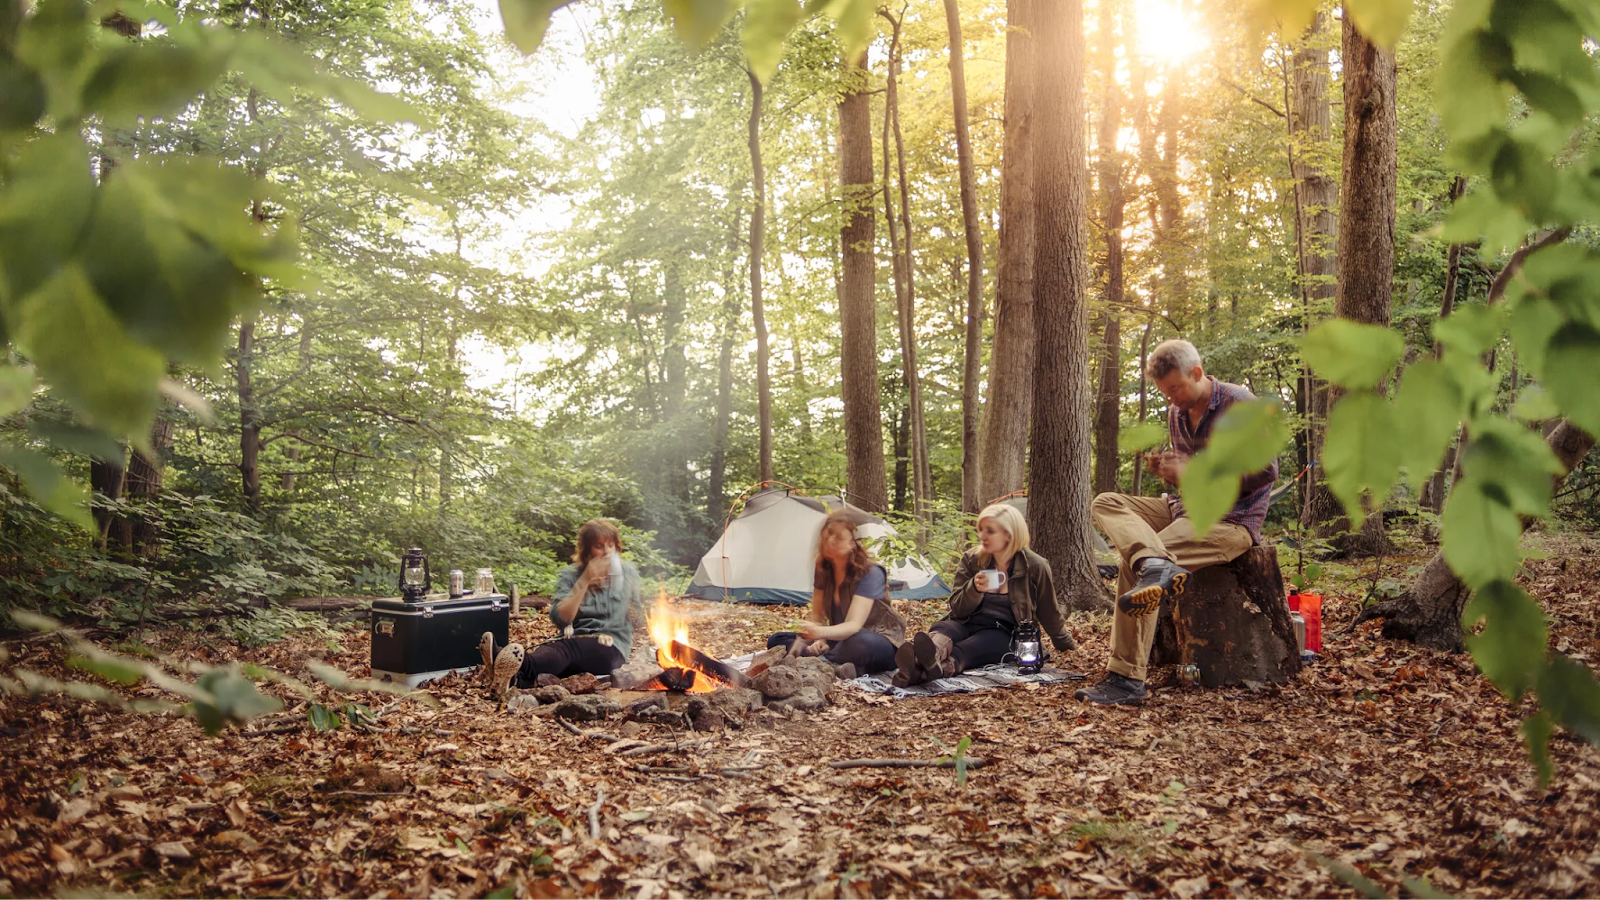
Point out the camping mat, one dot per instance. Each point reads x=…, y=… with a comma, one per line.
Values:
x=983, y=679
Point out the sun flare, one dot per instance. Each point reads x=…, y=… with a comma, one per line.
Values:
x=1170, y=31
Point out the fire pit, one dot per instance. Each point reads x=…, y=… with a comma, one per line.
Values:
x=683, y=668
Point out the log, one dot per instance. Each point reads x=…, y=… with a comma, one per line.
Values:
x=708, y=665
x=1232, y=622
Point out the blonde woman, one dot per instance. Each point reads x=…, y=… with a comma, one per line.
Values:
x=999, y=584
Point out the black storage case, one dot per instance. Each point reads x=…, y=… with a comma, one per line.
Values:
x=416, y=642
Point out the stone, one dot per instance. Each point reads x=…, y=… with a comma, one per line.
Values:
x=588, y=708
x=555, y=693
x=638, y=707
x=581, y=683
x=524, y=702
x=735, y=703
x=545, y=679
x=809, y=698
x=779, y=682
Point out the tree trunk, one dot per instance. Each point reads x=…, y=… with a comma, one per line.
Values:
x=1108, y=408
x=293, y=450
x=972, y=363
x=675, y=383
x=447, y=454
x=1366, y=218
x=716, y=488
x=1108, y=405
x=106, y=477
x=1144, y=403
x=904, y=285
x=1232, y=623
x=249, y=419
x=1316, y=198
x=902, y=451
x=1003, y=454
x=1429, y=614
x=758, y=248
x=1059, y=451
x=141, y=533
x=858, y=354
x=1433, y=492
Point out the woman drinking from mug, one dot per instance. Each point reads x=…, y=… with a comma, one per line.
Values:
x=595, y=604
x=999, y=584
x=851, y=623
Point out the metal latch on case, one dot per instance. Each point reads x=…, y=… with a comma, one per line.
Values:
x=384, y=626
x=427, y=612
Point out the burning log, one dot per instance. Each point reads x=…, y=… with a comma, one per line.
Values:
x=671, y=679
x=708, y=665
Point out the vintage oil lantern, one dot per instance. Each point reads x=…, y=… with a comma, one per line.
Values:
x=414, y=575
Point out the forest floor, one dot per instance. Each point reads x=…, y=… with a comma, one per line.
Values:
x=1399, y=762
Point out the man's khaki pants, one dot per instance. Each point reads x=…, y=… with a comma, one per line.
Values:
x=1141, y=527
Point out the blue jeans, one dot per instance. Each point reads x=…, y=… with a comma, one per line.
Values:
x=868, y=651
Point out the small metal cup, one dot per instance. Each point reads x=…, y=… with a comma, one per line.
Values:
x=1189, y=675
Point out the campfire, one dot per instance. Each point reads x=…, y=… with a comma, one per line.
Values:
x=683, y=668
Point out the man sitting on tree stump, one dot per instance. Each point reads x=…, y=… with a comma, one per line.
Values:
x=1156, y=540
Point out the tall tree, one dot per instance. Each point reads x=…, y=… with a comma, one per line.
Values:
x=914, y=424
x=972, y=363
x=865, y=478
x=1010, y=403
x=1059, y=452
x=1366, y=212
x=758, y=249
x=1316, y=198
x=1108, y=404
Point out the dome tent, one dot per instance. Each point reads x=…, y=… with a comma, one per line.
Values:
x=767, y=554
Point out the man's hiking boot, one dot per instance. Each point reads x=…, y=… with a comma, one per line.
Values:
x=1157, y=578
x=486, y=650
x=907, y=672
x=845, y=671
x=1113, y=690
x=933, y=654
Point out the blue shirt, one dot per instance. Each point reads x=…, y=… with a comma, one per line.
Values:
x=604, y=609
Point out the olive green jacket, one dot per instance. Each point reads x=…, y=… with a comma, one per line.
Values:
x=1033, y=592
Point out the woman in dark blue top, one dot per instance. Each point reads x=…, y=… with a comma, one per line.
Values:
x=851, y=621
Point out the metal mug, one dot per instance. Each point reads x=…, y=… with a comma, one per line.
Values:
x=1189, y=675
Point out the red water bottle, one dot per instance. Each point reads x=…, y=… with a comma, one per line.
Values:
x=1311, y=610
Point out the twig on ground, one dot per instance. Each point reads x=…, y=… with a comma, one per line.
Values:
x=594, y=814
x=973, y=762
x=281, y=729
x=606, y=736
x=648, y=749
x=365, y=795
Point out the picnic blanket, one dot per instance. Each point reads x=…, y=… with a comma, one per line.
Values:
x=995, y=676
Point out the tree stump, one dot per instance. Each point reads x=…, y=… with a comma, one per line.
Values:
x=1232, y=622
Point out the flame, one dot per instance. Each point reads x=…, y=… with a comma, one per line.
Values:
x=666, y=627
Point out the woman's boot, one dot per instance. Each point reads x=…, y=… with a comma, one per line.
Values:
x=933, y=654
x=908, y=672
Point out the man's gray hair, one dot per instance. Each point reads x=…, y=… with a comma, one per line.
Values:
x=1169, y=356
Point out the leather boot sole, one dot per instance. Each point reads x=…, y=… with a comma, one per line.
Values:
x=927, y=650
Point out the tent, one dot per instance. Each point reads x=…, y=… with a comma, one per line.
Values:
x=768, y=553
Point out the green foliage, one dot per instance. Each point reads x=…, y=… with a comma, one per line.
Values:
x=1351, y=354
x=1244, y=440
x=102, y=286
x=768, y=24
